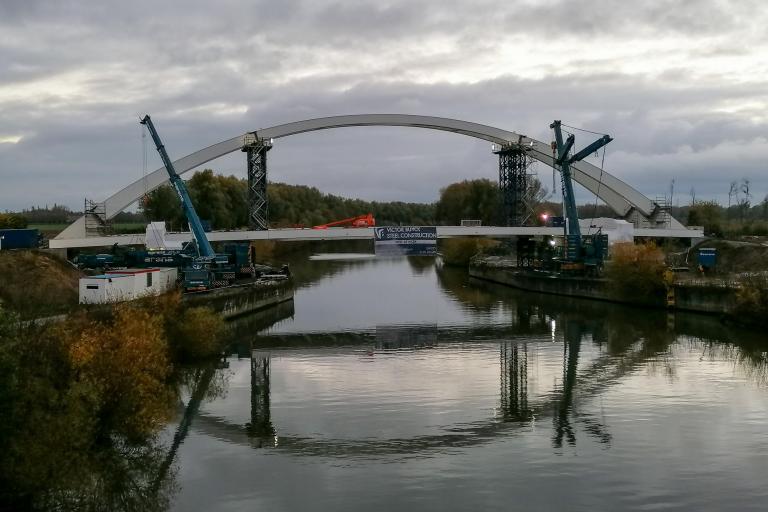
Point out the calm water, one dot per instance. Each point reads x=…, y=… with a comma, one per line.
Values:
x=396, y=385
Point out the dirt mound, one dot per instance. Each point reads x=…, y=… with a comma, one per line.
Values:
x=37, y=284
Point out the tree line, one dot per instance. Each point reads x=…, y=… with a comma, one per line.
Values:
x=223, y=201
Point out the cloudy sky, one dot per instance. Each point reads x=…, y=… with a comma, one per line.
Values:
x=680, y=85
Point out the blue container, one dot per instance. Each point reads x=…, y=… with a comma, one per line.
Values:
x=707, y=258
x=19, y=239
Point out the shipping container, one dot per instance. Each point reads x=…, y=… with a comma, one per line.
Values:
x=19, y=239
x=126, y=284
x=106, y=288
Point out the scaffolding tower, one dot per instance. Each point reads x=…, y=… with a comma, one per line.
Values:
x=516, y=205
x=96, y=223
x=258, y=204
x=663, y=212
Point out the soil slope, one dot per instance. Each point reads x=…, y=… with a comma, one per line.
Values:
x=37, y=284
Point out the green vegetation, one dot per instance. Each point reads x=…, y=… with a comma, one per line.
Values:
x=223, y=200
x=458, y=252
x=479, y=199
x=635, y=273
x=752, y=301
x=83, y=400
x=469, y=199
x=12, y=221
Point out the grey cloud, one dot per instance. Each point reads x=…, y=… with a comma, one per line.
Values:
x=174, y=62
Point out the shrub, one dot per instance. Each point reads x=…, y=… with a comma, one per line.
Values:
x=458, y=251
x=197, y=334
x=635, y=273
x=752, y=301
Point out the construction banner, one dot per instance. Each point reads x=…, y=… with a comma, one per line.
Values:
x=405, y=240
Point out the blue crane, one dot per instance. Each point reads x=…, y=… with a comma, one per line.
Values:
x=564, y=160
x=203, y=245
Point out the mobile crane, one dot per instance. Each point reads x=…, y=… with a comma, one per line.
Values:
x=208, y=269
x=581, y=253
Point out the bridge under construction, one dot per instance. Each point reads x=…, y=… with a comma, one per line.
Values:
x=515, y=151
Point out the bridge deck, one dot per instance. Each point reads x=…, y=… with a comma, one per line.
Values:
x=308, y=234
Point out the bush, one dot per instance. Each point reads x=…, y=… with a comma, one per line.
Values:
x=635, y=273
x=12, y=221
x=191, y=333
x=198, y=334
x=459, y=251
x=752, y=301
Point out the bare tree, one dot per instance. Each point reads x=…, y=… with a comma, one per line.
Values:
x=732, y=192
x=744, y=201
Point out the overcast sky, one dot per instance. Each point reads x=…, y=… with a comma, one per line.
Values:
x=680, y=85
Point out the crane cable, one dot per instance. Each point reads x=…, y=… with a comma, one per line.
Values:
x=602, y=166
x=144, y=163
x=597, y=193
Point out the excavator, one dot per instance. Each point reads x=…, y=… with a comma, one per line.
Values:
x=361, y=221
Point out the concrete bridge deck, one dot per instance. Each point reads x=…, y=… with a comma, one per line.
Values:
x=308, y=234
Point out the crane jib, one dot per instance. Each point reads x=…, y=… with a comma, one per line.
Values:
x=203, y=245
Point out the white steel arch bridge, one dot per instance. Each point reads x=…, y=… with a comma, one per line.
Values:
x=626, y=201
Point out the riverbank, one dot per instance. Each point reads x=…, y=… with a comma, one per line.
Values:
x=242, y=299
x=711, y=296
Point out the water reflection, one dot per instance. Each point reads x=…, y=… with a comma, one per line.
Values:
x=471, y=390
x=260, y=427
x=621, y=343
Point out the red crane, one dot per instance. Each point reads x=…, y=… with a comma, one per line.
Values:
x=361, y=221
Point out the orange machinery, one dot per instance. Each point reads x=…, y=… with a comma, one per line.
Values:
x=361, y=221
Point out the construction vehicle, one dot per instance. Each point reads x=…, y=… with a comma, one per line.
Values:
x=577, y=254
x=206, y=269
x=581, y=253
x=361, y=221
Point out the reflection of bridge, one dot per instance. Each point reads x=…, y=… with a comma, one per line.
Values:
x=516, y=407
x=515, y=151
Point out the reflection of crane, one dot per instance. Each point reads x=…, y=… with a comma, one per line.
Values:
x=361, y=221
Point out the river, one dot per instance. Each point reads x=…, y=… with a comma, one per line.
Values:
x=397, y=384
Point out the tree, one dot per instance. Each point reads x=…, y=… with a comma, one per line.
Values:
x=744, y=201
x=470, y=199
x=12, y=221
x=707, y=214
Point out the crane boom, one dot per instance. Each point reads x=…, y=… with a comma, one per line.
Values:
x=203, y=245
x=562, y=159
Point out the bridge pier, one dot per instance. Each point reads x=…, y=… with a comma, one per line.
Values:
x=513, y=184
x=258, y=204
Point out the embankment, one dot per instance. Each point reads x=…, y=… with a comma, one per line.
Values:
x=704, y=296
x=37, y=284
x=240, y=300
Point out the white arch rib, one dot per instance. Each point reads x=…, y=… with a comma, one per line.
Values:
x=617, y=194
